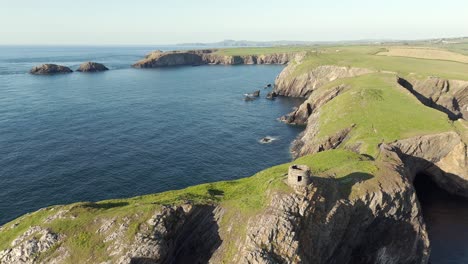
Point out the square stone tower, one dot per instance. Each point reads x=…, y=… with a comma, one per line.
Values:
x=299, y=176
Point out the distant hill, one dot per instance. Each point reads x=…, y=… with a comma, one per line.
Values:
x=248, y=43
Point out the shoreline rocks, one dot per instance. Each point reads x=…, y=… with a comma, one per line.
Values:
x=92, y=67
x=49, y=69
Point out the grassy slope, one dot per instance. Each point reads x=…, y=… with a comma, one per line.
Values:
x=264, y=51
x=241, y=198
x=381, y=110
x=425, y=53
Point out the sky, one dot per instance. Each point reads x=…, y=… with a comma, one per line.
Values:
x=152, y=22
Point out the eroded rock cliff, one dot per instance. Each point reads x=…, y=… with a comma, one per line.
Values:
x=448, y=96
x=199, y=57
x=344, y=216
x=292, y=82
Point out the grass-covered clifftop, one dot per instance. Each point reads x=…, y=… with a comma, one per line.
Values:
x=79, y=224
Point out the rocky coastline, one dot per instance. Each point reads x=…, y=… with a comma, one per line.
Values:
x=362, y=217
x=158, y=59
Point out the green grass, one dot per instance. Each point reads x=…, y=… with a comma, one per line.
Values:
x=382, y=112
x=264, y=51
x=365, y=57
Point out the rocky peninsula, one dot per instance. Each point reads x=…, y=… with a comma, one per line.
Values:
x=210, y=56
x=371, y=128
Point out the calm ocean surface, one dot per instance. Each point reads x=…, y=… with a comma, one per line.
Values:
x=127, y=132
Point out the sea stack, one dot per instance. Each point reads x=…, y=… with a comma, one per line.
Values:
x=49, y=69
x=92, y=67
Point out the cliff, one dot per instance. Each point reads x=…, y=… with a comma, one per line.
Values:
x=200, y=57
x=355, y=211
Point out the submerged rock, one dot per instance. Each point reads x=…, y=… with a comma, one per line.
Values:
x=267, y=139
x=254, y=94
x=92, y=67
x=267, y=86
x=46, y=69
x=249, y=98
x=271, y=95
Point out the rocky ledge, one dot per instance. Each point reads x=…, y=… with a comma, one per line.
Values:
x=201, y=57
x=47, y=69
x=92, y=67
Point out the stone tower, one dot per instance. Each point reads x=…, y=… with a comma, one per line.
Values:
x=299, y=176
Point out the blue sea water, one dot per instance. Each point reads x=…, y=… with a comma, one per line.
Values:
x=126, y=132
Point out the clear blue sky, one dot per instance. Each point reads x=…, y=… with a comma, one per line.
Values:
x=174, y=21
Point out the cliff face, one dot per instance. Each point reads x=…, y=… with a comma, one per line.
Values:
x=291, y=83
x=444, y=157
x=382, y=225
x=448, y=96
x=199, y=57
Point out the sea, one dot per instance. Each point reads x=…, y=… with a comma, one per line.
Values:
x=127, y=132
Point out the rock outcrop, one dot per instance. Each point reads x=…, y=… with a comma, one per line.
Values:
x=448, y=96
x=290, y=83
x=383, y=225
x=444, y=157
x=30, y=245
x=200, y=57
x=92, y=67
x=49, y=69
x=312, y=104
x=179, y=234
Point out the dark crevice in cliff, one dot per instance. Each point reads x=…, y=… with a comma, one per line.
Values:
x=429, y=101
x=197, y=239
x=194, y=241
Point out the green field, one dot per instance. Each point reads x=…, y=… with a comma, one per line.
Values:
x=366, y=57
x=264, y=51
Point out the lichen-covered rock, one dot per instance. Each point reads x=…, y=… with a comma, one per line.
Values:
x=27, y=247
x=92, y=67
x=48, y=69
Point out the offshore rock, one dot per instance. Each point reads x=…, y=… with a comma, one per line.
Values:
x=92, y=67
x=49, y=69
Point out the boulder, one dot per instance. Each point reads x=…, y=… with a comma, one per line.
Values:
x=271, y=95
x=92, y=67
x=254, y=94
x=47, y=69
